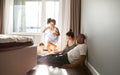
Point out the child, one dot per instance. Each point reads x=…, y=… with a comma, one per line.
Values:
x=40, y=49
x=52, y=36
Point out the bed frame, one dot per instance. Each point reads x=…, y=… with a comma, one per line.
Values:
x=18, y=62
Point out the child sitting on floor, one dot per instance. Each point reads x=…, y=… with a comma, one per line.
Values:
x=40, y=48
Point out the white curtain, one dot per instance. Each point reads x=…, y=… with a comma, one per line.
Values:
x=9, y=26
x=64, y=21
x=43, y=15
x=19, y=16
x=8, y=16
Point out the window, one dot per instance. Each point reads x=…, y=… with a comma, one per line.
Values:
x=31, y=15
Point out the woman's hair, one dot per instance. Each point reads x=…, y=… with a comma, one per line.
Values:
x=54, y=21
x=49, y=20
x=70, y=33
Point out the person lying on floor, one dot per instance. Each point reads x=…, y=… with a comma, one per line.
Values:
x=77, y=56
x=70, y=45
x=71, y=59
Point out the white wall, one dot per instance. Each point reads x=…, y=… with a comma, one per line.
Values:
x=101, y=23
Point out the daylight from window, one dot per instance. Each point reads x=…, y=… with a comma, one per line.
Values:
x=28, y=17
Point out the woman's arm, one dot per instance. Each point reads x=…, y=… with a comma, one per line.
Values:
x=62, y=49
x=75, y=64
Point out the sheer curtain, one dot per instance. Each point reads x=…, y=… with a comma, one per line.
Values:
x=8, y=16
x=19, y=16
x=64, y=21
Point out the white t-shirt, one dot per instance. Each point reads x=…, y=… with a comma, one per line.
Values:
x=75, y=53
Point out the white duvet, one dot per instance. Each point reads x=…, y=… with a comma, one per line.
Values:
x=14, y=38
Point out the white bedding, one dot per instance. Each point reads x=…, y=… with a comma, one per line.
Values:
x=14, y=38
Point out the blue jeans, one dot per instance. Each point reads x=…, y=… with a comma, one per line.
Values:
x=53, y=59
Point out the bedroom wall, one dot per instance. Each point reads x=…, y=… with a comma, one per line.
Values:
x=101, y=23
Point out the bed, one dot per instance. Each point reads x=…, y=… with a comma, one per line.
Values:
x=17, y=54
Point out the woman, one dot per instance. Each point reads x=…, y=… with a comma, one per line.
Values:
x=52, y=36
x=70, y=42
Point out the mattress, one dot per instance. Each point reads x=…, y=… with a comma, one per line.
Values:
x=11, y=42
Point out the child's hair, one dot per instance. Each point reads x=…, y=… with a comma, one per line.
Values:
x=54, y=21
x=41, y=44
x=49, y=20
x=70, y=33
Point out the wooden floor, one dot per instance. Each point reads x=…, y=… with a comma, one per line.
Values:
x=49, y=70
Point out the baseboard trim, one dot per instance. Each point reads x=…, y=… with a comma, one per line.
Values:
x=92, y=69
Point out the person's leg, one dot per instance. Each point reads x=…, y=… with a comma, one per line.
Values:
x=53, y=60
x=48, y=47
x=53, y=47
x=58, y=60
x=62, y=59
x=39, y=57
x=45, y=59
